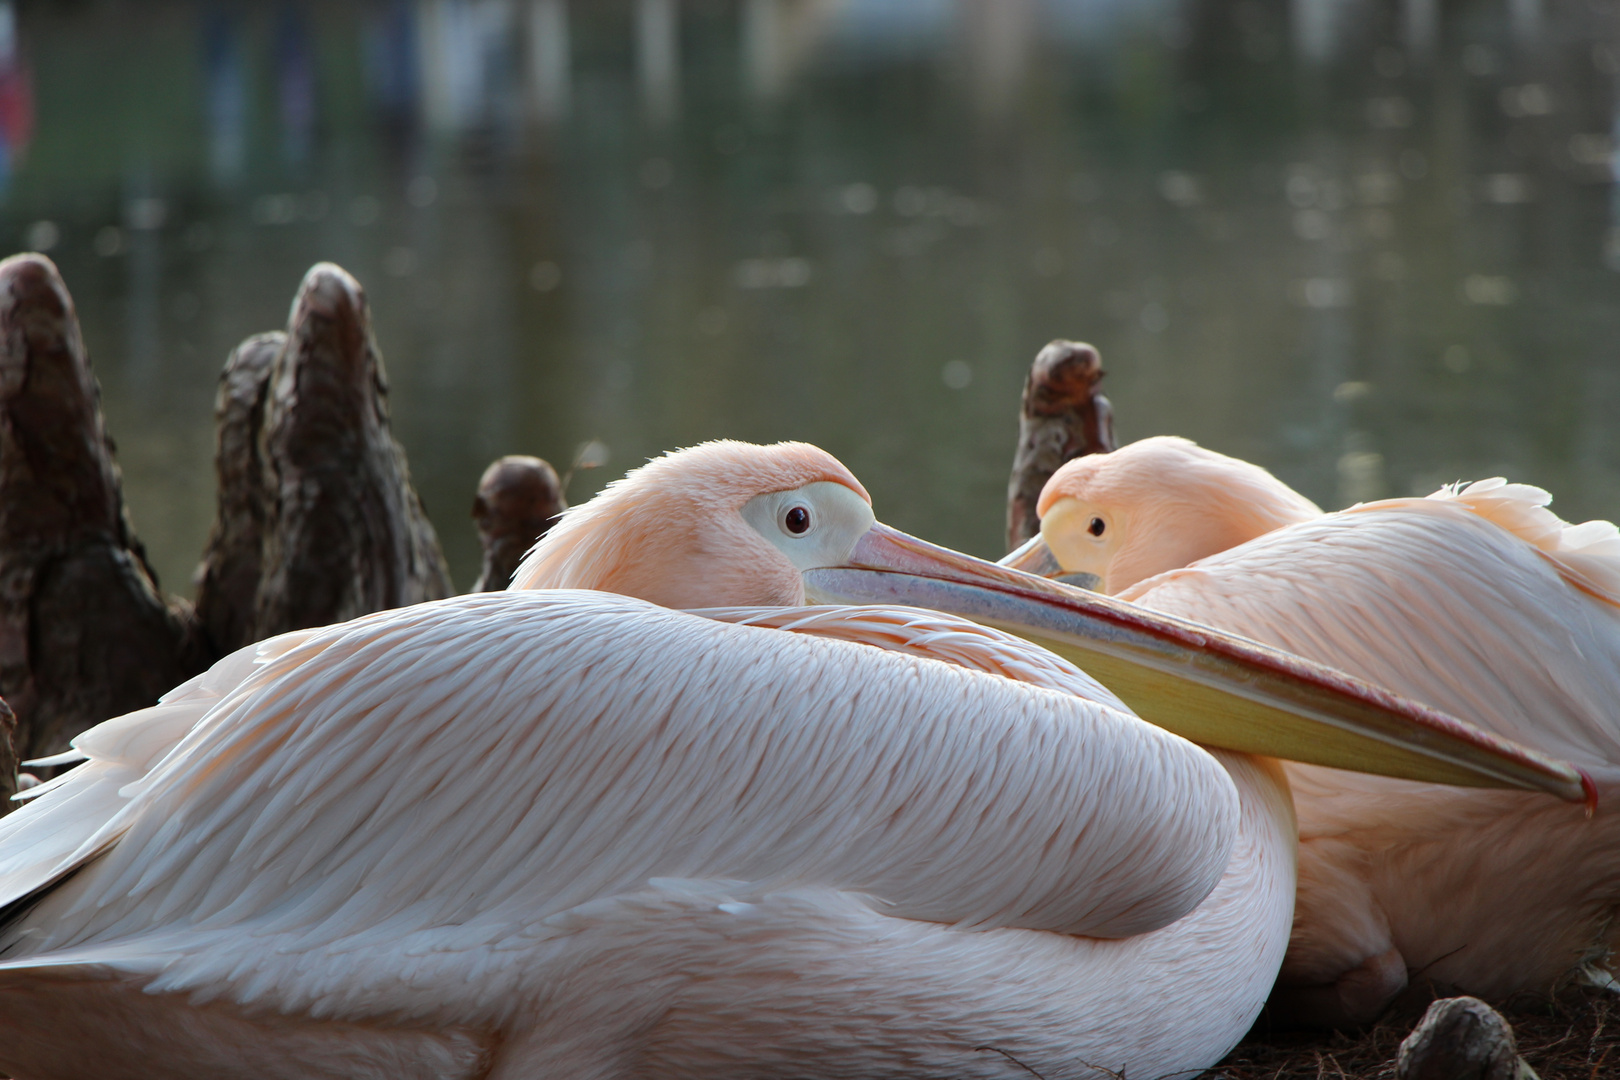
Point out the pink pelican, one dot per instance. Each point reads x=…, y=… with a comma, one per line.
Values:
x=1476, y=600
x=550, y=832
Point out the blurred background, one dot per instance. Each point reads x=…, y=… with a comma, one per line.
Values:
x=1373, y=245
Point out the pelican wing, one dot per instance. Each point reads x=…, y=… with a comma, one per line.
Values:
x=1438, y=601
x=432, y=793
x=64, y=826
x=1586, y=555
x=932, y=634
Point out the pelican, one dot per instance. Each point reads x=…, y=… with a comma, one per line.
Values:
x=560, y=832
x=1476, y=600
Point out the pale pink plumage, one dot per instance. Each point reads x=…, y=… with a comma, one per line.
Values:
x=1175, y=501
x=677, y=539
x=1477, y=600
x=557, y=833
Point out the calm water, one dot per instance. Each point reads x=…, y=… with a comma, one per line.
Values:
x=1374, y=246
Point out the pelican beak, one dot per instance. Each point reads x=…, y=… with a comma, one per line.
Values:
x=1035, y=557
x=1208, y=686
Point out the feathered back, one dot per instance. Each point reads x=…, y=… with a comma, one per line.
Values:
x=646, y=534
x=1587, y=555
x=378, y=816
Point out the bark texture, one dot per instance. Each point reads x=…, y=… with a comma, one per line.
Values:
x=84, y=633
x=8, y=757
x=1461, y=1038
x=227, y=592
x=518, y=499
x=317, y=522
x=1063, y=417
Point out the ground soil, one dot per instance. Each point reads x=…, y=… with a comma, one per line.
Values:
x=1575, y=1036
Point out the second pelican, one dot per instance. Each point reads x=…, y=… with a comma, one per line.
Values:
x=1476, y=600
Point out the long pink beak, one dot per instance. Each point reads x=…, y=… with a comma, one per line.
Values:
x=1209, y=686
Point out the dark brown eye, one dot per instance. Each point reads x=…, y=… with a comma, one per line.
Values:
x=1096, y=527
x=797, y=520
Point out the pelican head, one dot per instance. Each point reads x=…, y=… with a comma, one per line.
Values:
x=1152, y=506
x=719, y=524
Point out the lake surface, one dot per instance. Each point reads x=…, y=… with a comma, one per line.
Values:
x=1372, y=246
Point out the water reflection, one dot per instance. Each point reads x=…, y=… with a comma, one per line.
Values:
x=1372, y=246
x=1420, y=27
x=16, y=97
x=658, y=65
x=549, y=63
x=295, y=86
x=226, y=98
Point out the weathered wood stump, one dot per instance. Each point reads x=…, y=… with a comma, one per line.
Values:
x=84, y=632
x=1063, y=417
x=227, y=592
x=1461, y=1038
x=317, y=519
x=518, y=500
x=8, y=757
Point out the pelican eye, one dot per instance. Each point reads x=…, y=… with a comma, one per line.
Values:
x=816, y=525
x=1096, y=526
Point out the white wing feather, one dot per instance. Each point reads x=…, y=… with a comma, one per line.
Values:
x=448, y=791
x=934, y=635
x=1587, y=555
x=64, y=824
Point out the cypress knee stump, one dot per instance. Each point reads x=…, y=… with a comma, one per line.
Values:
x=1063, y=417
x=317, y=520
x=84, y=632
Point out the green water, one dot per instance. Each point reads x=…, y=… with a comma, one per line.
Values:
x=1372, y=246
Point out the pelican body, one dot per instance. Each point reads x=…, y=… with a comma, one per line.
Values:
x=1476, y=600
x=553, y=832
